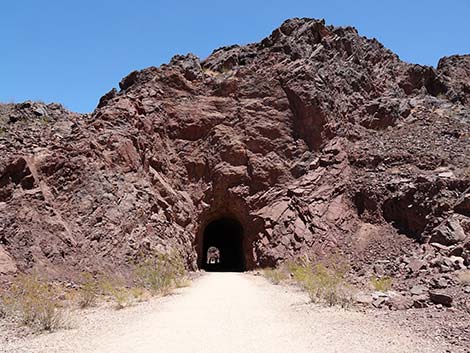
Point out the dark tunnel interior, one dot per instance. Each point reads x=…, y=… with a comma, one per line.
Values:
x=225, y=234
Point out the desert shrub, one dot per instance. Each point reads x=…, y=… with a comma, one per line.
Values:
x=120, y=295
x=34, y=303
x=300, y=270
x=382, y=284
x=275, y=275
x=139, y=294
x=328, y=286
x=157, y=274
x=324, y=283
x=161, y=272
x=182, y=282
x=179, y=270
x=89, y=291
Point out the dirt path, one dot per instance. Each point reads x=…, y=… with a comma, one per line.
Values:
x=228, y=312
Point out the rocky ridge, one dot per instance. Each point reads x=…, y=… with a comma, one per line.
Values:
x=317, y=140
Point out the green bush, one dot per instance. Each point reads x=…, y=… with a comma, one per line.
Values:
x=300, y=270
x=275, y=275
x=139, y=294
x=33, y=303
x=117, y=291
x=122, y=296
x=161, y=273
x=89, y=291
x=328, y=286
x=382, y=284
x=324, y=284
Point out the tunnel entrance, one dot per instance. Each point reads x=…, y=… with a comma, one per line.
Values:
x=225, y=235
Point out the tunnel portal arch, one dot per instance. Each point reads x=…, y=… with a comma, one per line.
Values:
x=227, y=235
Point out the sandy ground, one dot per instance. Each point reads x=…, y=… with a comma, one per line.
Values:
x=227, y=312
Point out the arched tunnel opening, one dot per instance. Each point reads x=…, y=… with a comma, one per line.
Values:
x=223, y=246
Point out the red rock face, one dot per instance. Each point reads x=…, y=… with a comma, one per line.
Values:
x=316, y=140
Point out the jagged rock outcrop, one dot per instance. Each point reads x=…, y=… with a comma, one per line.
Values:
x=455, y=76
x=316, y=140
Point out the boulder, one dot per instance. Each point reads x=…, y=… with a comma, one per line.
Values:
x=7, y=264
x=441, y=283
x=420, y=301
x=458, y=262
x=439, y=297
x=418, y=290
x=449, y=233
x=363, y=298
x=455, y=75
x=416, y=264
x=463, y=205
x=379, y=302
x=400, y=302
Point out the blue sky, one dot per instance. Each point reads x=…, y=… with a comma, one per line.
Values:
x=72, y=52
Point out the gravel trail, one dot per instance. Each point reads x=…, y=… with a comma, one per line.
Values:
x=228, y=312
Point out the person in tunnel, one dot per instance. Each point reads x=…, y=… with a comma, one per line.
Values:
x=213, y=255
x=223, y=246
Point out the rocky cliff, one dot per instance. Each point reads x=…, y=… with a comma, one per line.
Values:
x=315, y=140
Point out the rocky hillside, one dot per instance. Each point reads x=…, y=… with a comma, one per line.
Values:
x=316, y=140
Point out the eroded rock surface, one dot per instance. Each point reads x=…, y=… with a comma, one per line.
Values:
x=316, y=140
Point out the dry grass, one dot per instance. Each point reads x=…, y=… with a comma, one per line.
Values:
x=324, y=281
x=34, y=303
x=114, y=288
x=327, y=286
x=382, y=284
x=158, y=274
x=182, y=282
x=139, y=294
x=161, y=273
x=89, y=291
x=275, y=275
